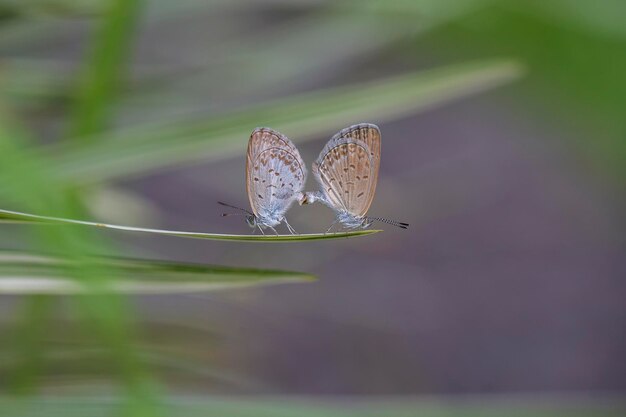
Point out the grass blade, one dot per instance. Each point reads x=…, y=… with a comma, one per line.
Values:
x=282, y=406
x=137, y=151
x=7, y=216
x=31, y=274
x=102, y=73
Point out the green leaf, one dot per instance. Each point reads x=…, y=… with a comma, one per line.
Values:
x=17, y=217
x=137, y=151
x=32, y=274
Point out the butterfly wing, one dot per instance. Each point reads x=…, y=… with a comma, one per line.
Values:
x=275, y=173
x=347, y=168
x=370, y=134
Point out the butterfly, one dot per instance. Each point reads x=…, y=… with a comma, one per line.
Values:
x=347, y=172
x=275, y=177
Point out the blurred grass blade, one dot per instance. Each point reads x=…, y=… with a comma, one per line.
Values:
x=136, y=151
x=103, y=68
x=26, y=339
x=30, y=274
x=355, y=406
x=7, y=216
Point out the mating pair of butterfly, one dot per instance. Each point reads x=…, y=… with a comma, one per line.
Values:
x=346, y=171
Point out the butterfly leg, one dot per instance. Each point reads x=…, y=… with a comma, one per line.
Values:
x=331, y=227
x=291, y=229
x=274, y=230
x=261, y=229
x=349, y=229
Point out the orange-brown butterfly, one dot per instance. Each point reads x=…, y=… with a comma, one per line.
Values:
x=275, y=176
x=347, y=173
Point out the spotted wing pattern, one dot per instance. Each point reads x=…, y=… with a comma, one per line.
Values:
x=347, y=168
x=275, y=173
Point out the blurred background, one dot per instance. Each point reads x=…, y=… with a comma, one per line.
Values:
x=504, y=147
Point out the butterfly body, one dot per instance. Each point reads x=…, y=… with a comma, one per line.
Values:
x=343, y=216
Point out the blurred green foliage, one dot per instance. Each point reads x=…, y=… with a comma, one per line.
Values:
x=31, y=187
x=575, y=52
x=22, y=273
x=139, y=150
x=104, y=68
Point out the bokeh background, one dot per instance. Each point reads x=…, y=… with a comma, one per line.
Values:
x=504, y=147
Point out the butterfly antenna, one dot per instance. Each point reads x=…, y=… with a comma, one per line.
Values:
x=391, y=222
x=235, y=207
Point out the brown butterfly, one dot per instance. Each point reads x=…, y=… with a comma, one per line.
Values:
x=347, y=172
x=275, y=176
